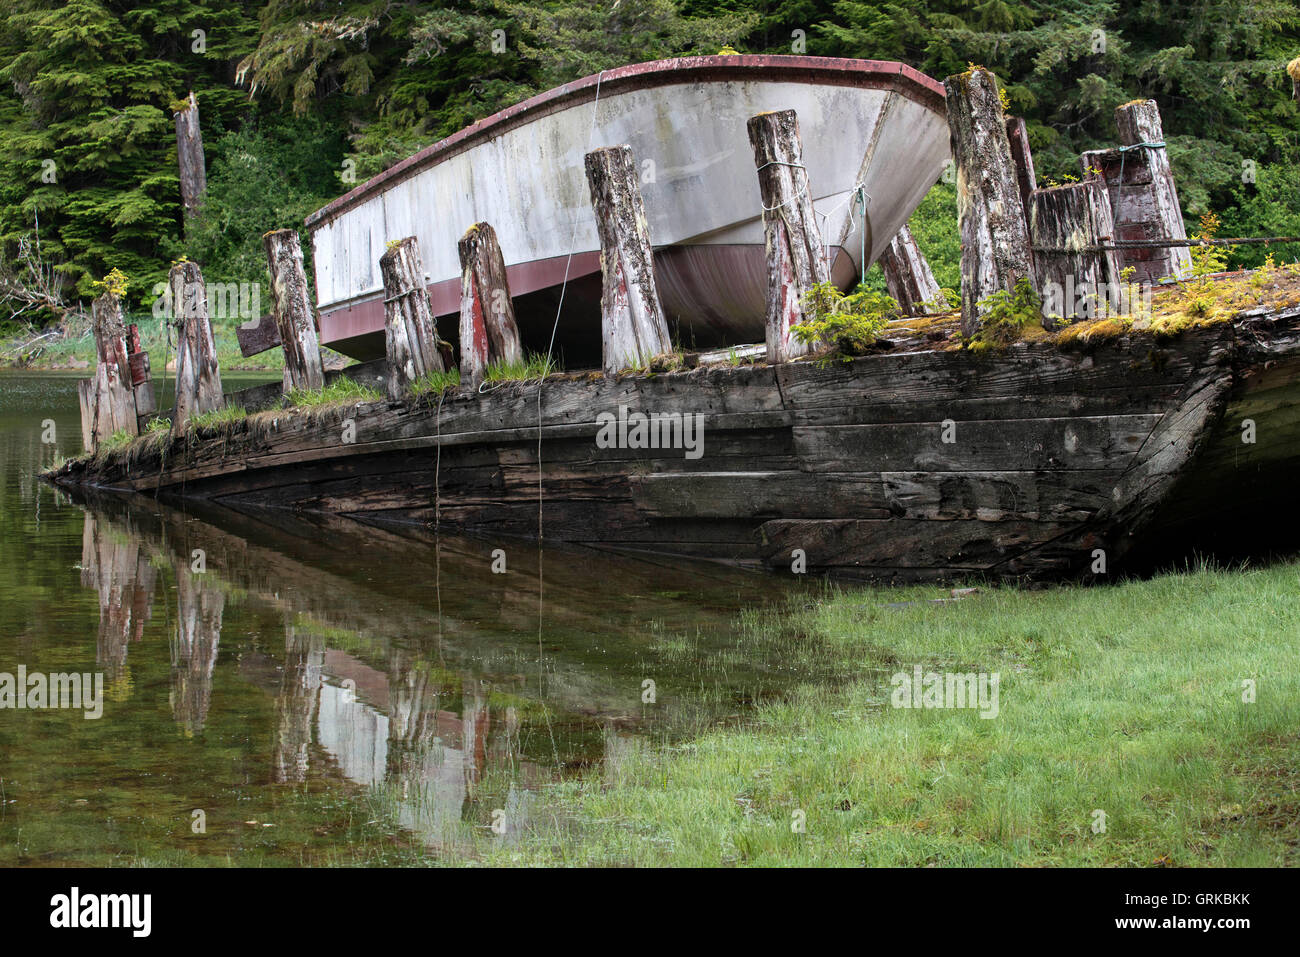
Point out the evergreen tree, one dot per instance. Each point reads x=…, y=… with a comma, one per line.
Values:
x=89, y=146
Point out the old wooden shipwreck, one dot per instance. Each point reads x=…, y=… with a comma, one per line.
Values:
x=1056, y=455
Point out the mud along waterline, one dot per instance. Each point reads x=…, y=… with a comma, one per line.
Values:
x=323, y=692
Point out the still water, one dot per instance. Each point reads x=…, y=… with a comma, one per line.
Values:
x=279, y=689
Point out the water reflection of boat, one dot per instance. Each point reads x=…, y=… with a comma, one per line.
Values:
x=440, y=700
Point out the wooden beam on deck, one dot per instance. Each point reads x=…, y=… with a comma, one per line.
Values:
x=198, y=377
x=487, y=314
x=293, y=312
x=995, y=251
x=1143, y=198
x=410, y=334
x=908, y=277
x=1067, y=224
x=113, y=405
x=795, y=256
x=633, y=327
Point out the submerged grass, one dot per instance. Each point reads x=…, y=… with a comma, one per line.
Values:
x=1125, y=699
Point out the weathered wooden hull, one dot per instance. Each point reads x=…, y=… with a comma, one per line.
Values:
x=863, y=122
x=904, y=465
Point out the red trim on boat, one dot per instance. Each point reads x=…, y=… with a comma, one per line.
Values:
x=366, y=315
x=880, y=74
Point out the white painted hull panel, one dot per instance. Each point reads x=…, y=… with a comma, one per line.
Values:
x=699, y=184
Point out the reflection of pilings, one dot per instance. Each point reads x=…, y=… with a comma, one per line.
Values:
x=474, y=730
x=413, y=716
x=199, y=607
x=295, y=706
x=124, y=580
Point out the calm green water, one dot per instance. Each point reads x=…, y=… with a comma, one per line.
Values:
x=278, y=690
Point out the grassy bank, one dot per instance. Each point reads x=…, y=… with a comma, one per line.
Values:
x=76, y=349
x=1125, y=699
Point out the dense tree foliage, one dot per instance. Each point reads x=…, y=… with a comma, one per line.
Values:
x=302, y=98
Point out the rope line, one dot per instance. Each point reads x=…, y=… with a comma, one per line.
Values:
x=800, y=192
x=550, y=348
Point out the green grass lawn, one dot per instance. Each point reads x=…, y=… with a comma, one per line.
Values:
x=1125, y=699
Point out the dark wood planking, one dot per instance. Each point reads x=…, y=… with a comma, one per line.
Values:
x=827, y=456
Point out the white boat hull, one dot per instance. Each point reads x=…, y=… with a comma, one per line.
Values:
x=878, y=125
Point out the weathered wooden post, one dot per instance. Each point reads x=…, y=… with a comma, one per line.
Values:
x=410, y=332
x=1143, y=198
x=198, y=379
x=293, y=315
x=795, y=262
x=86, y=400
x=189, y=155
x=1068, y=225
x=908, y=277
x=633, y=328
x=146, y=404
x=487, y=314
x=994, y=235
x=1140, y=129
x=200, y=605
x=113, y=407
x=1018, y=138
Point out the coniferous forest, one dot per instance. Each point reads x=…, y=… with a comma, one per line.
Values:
x=302, y=99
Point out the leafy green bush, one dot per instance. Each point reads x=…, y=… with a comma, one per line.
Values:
x=260, y=178
x=1004, y=316
x=847, y=324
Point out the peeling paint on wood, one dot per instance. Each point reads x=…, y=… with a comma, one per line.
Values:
x=1143, y=197
x=487, y=313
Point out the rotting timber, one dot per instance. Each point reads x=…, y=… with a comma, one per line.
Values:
x=1056, y=454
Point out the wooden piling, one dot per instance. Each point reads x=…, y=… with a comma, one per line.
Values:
x=795, y=260
x=198, y=378
x=113, y=405
x=189, y=153
x=146, y=404
x=995, y=250
x=1143, y=197
x=1018, y=139
x=293, y=313
x=1139, y=125
x=86, y=400
x=410, y=333
x=1067, y=224
x=633, y=327
x=908, y=277
x=487, y=313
